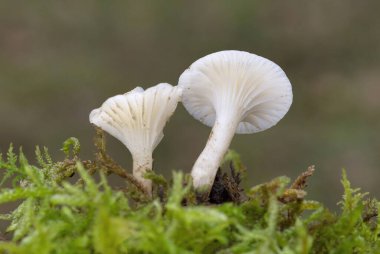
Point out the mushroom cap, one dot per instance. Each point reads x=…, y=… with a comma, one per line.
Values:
x=252, y=88
x=137, y=118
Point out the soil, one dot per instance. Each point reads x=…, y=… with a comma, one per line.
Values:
x=226, y=188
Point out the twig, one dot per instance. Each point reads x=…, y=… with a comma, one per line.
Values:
x=296, y=190
x=301, y=182
x=369, y=216
x=110, y=166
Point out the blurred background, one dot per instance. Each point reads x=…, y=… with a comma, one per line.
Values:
x=61, y=59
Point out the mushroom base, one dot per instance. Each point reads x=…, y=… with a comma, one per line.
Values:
x=141, y=165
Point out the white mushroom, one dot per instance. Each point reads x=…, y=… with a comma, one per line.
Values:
x=137, y=119
x=233, y=92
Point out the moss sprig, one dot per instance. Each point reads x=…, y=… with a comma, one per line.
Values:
x=58, y=215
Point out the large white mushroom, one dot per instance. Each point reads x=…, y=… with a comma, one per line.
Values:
x=137, y=119
x=232, y=92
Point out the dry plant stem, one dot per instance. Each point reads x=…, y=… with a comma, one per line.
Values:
x=296, y=190
x=118, y=170
x=368, y=217
x=300, y=182
x=207, y=164
x=109, y=164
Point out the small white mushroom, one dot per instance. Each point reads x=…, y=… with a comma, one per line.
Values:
x=137, y=119
x=233, y=92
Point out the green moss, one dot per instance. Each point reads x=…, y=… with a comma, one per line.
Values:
x=89, y=216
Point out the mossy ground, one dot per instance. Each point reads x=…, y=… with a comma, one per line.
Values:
x=57, y=215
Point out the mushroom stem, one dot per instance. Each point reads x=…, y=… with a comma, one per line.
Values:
x=208, y=162
x=143, y=163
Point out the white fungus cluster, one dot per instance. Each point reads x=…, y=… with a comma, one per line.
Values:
x=230, y=91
